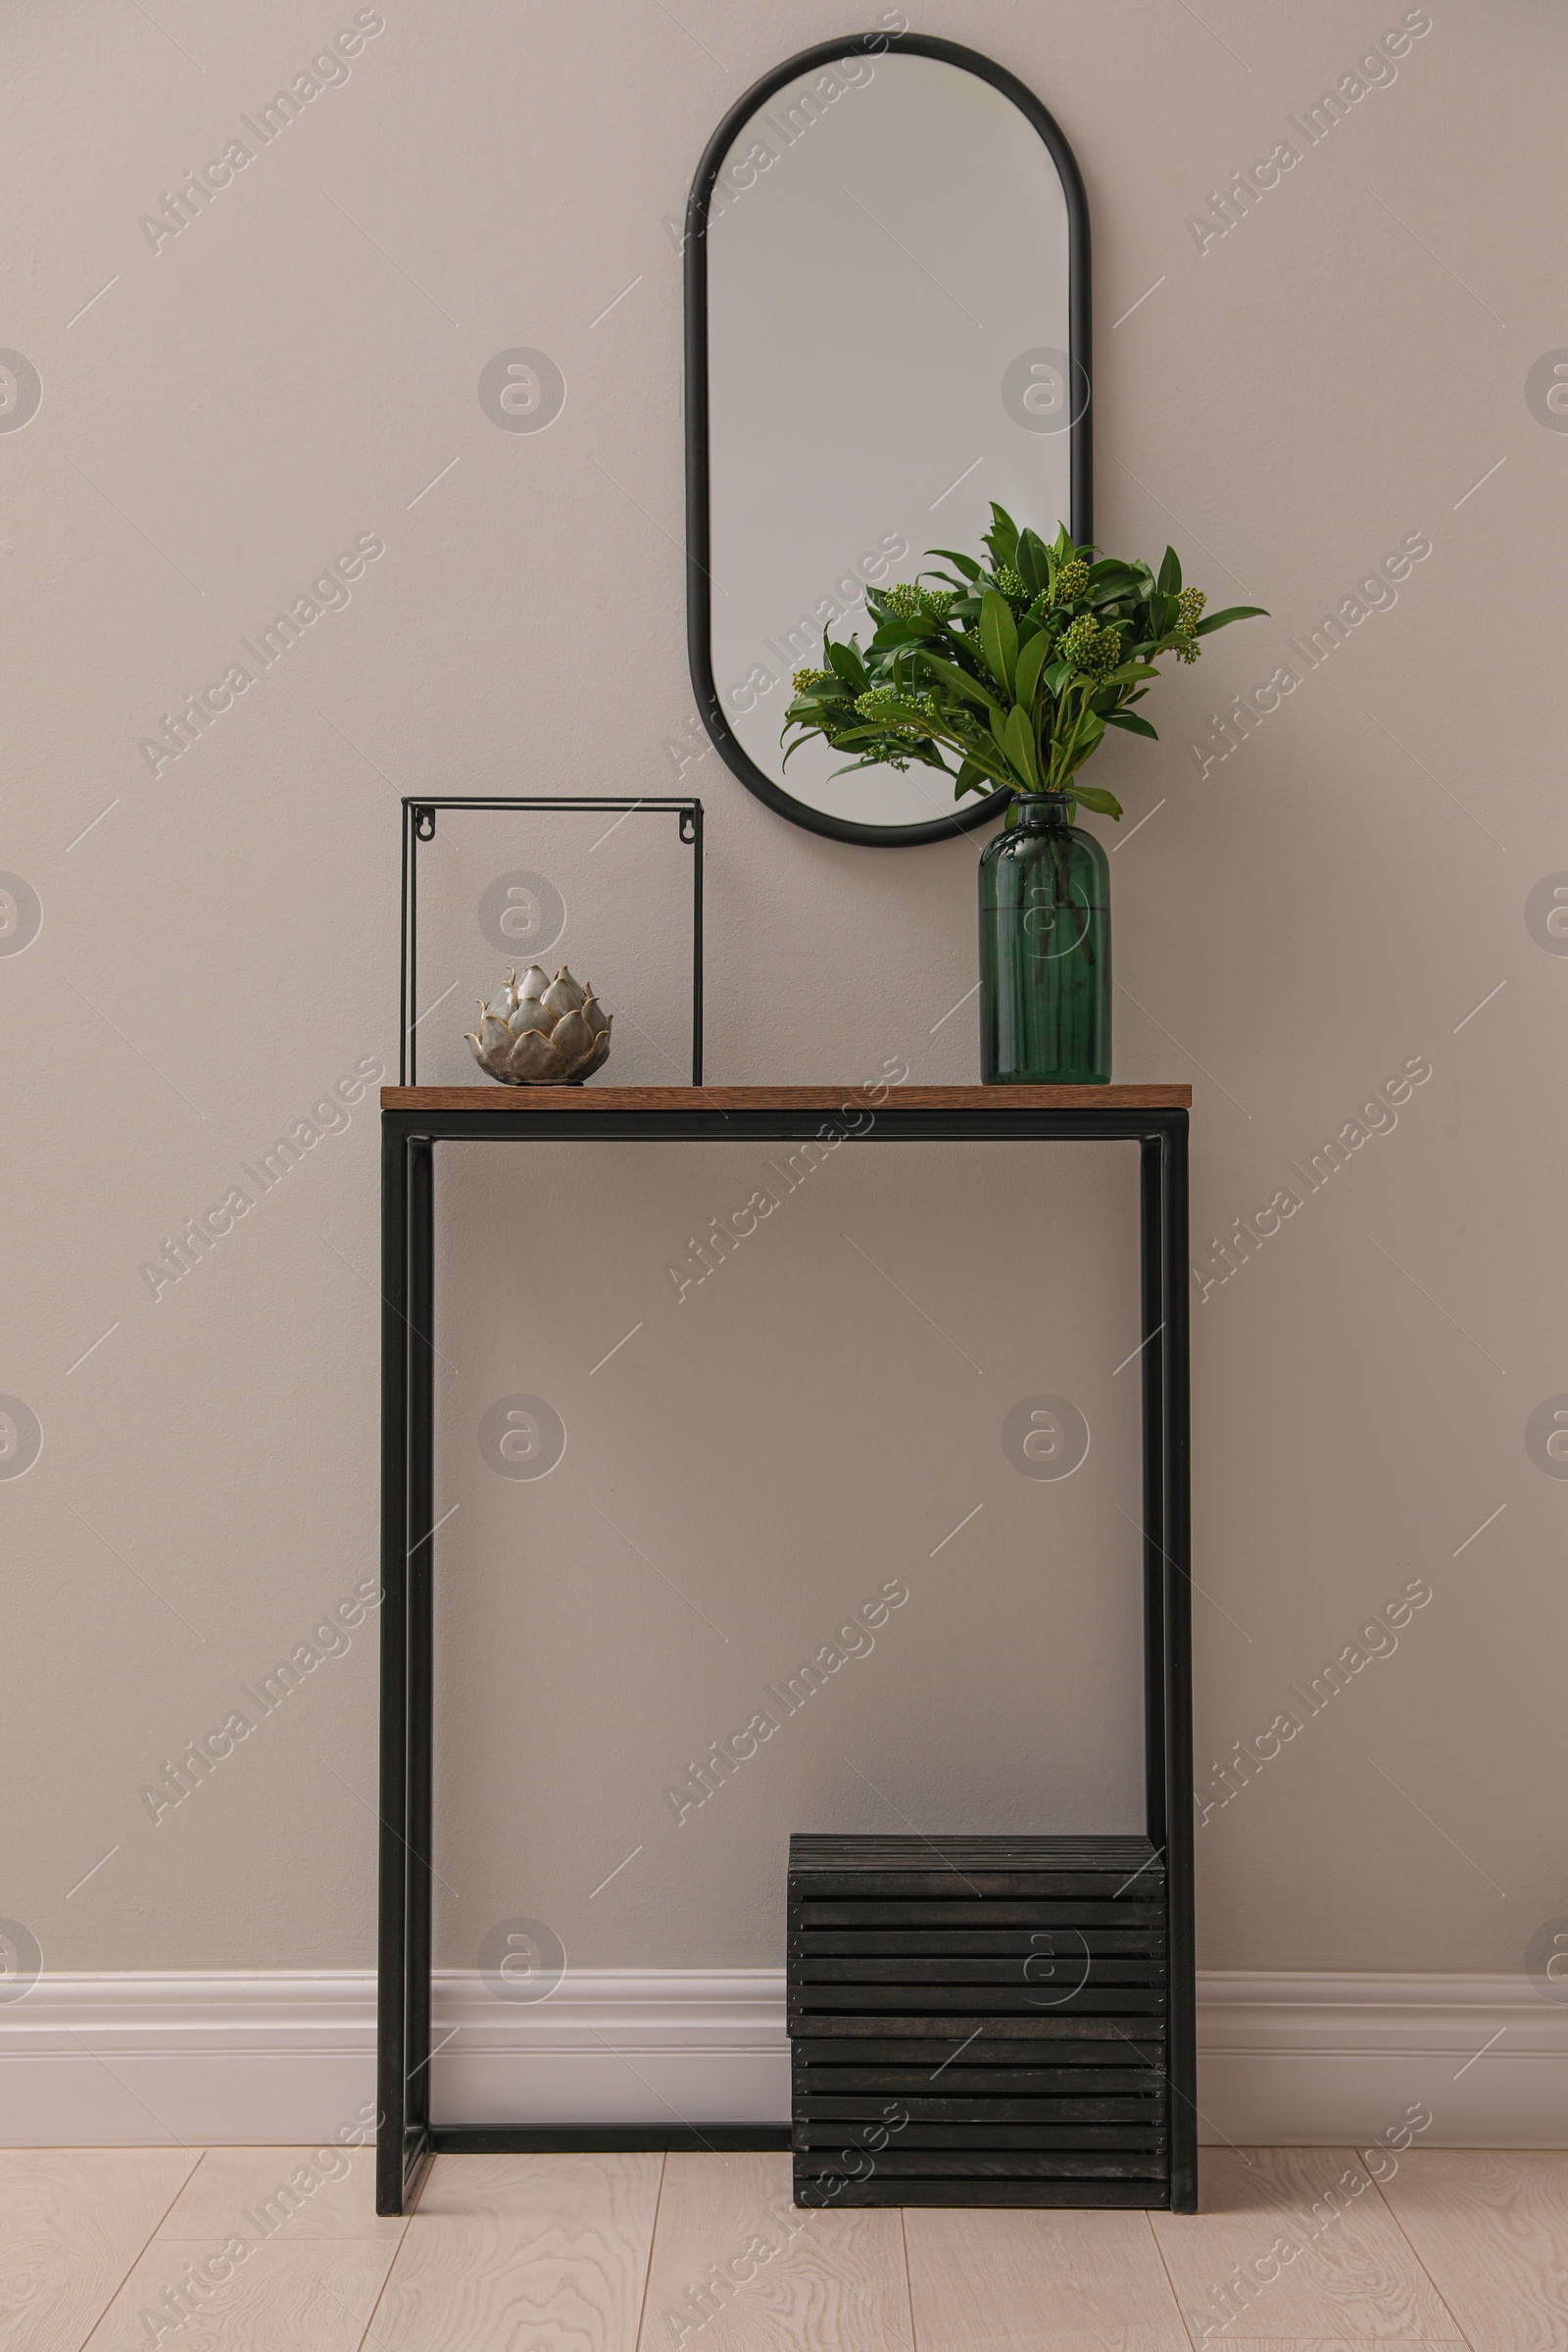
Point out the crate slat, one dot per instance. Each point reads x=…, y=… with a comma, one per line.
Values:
x=995, y=1911
x=1003, y=2164
x=959, y=2082
x=967, y=2109
x=984, y=2000
x=818, y=2137
x=1068, y=1883
x=979, y=1941
x=997, y=2045
x=1050, y=1970
x=1045, y=2194
x=1136, y=2034
x=855, y=1849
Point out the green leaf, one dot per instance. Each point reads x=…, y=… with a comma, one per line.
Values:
x=1133, y=724
x=971, y=569
x=1021, y=746
x=1031, y=661
x=1092, y=796
x=1034, y=564
x=847, y=664
x=991, y=764
x=1011, y=817
x=1086, y=739
x=998, y=636
x=970, y=688
x=1002, y=537
x=1219, y=620
x=971, y=779
x=1170, y=573
x=998, y=727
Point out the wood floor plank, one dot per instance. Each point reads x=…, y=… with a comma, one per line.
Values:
x=1492, y=2227
x=524, y=2254
x=739, y=2268
x=291, y=2296
x=562, y=2254
x=73, y=2221
x=1295, y=2243
x=988, y=2281
x=280, y=2192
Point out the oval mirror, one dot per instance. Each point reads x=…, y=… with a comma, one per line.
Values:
x=887, y=328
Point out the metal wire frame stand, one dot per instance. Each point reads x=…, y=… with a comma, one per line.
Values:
x=418, y=825
x=407, y=2138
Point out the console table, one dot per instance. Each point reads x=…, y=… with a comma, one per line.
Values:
x=413, y=1120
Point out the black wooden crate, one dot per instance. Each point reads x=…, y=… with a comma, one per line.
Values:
x=978, y=2021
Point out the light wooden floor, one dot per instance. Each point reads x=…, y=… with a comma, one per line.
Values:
x=101, y=2248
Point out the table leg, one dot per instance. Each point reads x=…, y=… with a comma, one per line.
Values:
x=403, y=2011
x=1151, y=1198
x=392, y=1906
x=421, y=1624
x=1178, y=1647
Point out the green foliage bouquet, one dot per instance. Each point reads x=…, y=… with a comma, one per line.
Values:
x=1008, y=675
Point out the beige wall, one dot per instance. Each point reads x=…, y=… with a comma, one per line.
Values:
x=1325, y=904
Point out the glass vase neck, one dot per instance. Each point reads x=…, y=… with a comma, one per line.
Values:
x=1043, y=812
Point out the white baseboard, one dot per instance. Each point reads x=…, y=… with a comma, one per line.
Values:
x=1315, y=2060
x=286, y=2058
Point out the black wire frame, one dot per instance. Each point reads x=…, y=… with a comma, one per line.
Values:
x=418, y=824
x=407, y=2136
x=699, y=576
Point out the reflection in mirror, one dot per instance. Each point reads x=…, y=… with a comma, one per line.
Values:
x=887, y=330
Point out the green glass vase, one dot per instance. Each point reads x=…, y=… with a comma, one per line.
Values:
x=1044, y=951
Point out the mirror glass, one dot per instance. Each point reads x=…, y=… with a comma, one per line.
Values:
x=893, y=283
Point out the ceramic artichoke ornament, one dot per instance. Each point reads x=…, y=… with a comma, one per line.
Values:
x=541, y=1032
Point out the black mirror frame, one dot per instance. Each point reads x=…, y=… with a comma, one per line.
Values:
x=699, y=616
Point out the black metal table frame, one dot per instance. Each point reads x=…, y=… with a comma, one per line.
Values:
x=407, y=2139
